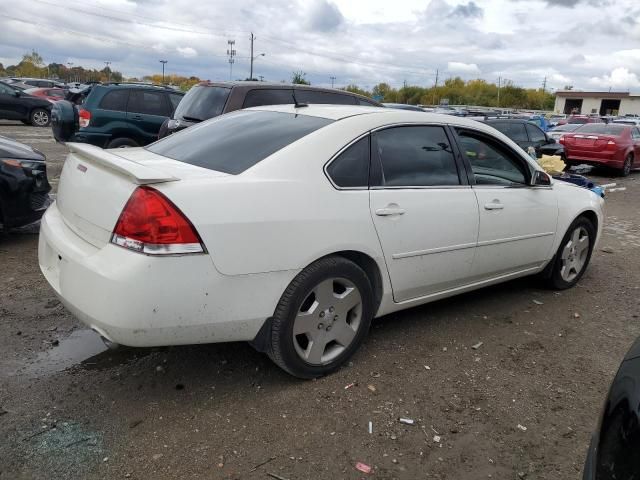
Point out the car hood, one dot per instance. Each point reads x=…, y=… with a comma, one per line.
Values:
x=10, y=148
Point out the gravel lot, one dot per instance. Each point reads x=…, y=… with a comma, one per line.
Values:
x=70, y=410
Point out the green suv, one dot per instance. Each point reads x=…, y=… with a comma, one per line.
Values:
x=116, y=115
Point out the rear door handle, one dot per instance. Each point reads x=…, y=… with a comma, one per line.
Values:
x=391, y=209
x=493, y=206
x=137, y=117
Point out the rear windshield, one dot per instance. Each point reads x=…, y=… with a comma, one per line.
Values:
x=237, y=141
x=201, y=103
x=602, y=128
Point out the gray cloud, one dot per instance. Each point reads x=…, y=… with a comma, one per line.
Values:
x=325, y=16
x=470, y=10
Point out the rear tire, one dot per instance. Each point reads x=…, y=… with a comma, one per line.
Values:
x=322, y=318
x=40, y=118
x=573, y=255
x=626, y=166
x=122, y=143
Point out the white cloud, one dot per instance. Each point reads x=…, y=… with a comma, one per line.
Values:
x=187, y=52
x=559, y=78
x=620, y=78
x=462, y=68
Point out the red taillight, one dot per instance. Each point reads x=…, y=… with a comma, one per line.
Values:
x=150, y=223
x=561, y=140
x=612, y=145
x=84, y=117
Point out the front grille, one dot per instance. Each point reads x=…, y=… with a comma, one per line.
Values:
x=39, y=200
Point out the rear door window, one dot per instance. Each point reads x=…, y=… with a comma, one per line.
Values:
x=174, y=98
x=515, y=131
x=311, y=96
x=148, y=103
x=269, y=96
x=350, y=169
x=415, y=156
x=115, y=100
x=237, y=141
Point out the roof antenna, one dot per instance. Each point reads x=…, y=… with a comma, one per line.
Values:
x=295, y=101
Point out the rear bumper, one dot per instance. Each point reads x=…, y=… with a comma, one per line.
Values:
x=143, y=301
x=98, y=139
x=608, y=159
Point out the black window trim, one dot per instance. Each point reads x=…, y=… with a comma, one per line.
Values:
x=528, y=167
x=325, y=168
x=376, y=167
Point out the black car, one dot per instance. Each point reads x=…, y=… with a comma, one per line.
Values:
x=614, y=453
x=526, y=135
x=24, y=188
x=210, y=99
x=18, y=105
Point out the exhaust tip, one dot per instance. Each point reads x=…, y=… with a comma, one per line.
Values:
x=110, y=345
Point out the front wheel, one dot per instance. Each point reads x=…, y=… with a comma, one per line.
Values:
x=40, y=117
x=122, y=142
x=573, y=255
x=322, y=318
x=626, y=166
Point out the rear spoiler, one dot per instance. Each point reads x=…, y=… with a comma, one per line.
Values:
x=140, y=174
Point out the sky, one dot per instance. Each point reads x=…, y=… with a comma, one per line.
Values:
x=589, y=44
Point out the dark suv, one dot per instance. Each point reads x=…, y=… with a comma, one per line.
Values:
x=210, y=99
x=18, y=105
x=116, y=115
x=526, y=135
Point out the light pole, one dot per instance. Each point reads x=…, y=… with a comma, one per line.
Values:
x=252, y=59
x=333, y=79
x=163, y=62
x=108, y=71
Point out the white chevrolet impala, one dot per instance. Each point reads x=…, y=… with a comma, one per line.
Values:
x=293, y=226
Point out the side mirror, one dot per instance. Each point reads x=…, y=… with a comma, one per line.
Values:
x=540, y=179
x=550, y=140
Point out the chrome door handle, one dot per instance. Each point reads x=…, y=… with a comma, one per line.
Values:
x=390, y=210
x=493, y=206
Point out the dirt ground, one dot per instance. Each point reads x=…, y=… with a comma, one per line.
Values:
x=522, y=405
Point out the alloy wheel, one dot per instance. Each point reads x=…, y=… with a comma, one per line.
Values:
x=327, y=321
x=574, y=254
x=41, y=118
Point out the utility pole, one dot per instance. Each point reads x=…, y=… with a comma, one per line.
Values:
x=333, y=79
x=499, y=81
x=251, y=70
x=544, y=85
x=232, y=53
x=433, y=98
x=163, y=62
x=109, y=71
x=261, y=78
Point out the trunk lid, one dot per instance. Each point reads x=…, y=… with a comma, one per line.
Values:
x=95, y=185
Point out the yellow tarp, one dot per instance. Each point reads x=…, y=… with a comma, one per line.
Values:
x=552, y=164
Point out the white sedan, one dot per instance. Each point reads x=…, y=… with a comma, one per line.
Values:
x=293, y=226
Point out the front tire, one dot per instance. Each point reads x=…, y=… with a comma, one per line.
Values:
x=40, y=118
x=573, y=255
x=322, y=318
x=626, y=166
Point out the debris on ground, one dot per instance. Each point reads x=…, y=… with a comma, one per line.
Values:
x=372, y=388
x=477, y=345
x=363, y=467
x=370, y=427
x=538, y=302
x=576, y=315
x=607, y=250
x=407, y=421
x=437, y=438
x=427, y=367
x=277, y=477
x=270, y=459
x=347, y=387
x=522, y=427
x=157, y=456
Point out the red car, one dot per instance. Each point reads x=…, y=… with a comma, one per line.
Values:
x=611, y=145
x=51, y=94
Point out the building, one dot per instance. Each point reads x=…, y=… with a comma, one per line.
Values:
x=603, y=103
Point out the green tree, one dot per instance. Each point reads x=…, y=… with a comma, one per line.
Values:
x=358, y=90
x=298, y=78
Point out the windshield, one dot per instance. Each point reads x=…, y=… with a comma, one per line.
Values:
x=201, y=103
x=602, y=128
x=237, y=141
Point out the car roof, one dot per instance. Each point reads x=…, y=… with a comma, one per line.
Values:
x=138, y=85
x=339, y=112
